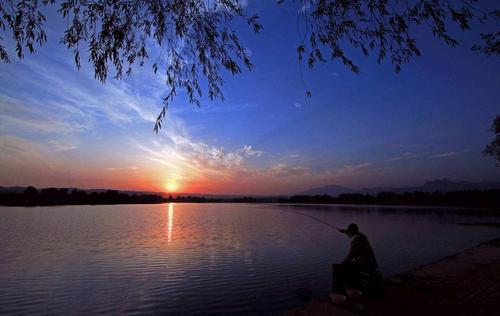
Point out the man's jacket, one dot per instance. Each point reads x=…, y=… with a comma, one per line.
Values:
x=361, y=252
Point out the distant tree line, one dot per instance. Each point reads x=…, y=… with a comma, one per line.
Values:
x=62, y=196
x=202, y=199
x=473, y=198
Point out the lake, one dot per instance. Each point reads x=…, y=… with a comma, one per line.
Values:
x=203, y=259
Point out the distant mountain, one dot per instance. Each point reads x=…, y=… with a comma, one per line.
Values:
x=443, y=185
x=12, y=189
x=446, y=185
x=331, y=190
x=376, y=190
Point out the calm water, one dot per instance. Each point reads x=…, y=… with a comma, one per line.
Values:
x=200, y=259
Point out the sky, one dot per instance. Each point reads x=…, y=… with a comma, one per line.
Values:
x=60, y=127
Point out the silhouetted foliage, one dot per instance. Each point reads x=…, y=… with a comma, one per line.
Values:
x=57, y=196
x=493, y=148
x=386, y=28
x=54, y=196
x=475, y=198
x=30, y=193
x=198, y=41
x=195, y=37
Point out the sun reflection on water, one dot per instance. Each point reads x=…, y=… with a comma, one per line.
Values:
x=170, y=221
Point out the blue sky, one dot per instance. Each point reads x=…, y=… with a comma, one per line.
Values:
x=60, y=127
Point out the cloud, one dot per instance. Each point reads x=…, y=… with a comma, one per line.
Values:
x=61, y=146
x=203, y=154
x=133, y=168
x=83, y=129
x=189, y=159
x=24, y=160
x=404, y=156
x=352, y=169
x=334, y=74
x=285, y=170
x=247, y=150
x=75, y=100
x=23, y=115
x=445, y=155
x=68, y=110
x=17, y=148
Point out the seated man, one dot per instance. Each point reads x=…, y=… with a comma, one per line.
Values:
x=359, y=261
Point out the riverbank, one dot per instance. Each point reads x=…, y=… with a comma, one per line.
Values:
x=467, y=283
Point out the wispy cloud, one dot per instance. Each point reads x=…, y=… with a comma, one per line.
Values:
x=133, y=168
x=19, y=114
x=61, y=146
x=297, y=104
x=203, y=153
x=22, y=160
x=186, y=159
x=285, y=170
x=348, y=170
x=74, y=99
x=20, y=149
x=446, y=154
x=212, y=108
x=403, y=156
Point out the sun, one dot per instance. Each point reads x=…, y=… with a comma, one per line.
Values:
x=171, y=186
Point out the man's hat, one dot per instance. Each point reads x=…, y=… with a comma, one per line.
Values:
x=352, y=228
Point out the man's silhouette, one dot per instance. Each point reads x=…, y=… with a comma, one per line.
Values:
x=360, y=260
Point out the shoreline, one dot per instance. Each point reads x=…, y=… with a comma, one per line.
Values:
x=466, y=283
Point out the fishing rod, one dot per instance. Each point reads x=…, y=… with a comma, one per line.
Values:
x=321, y=221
